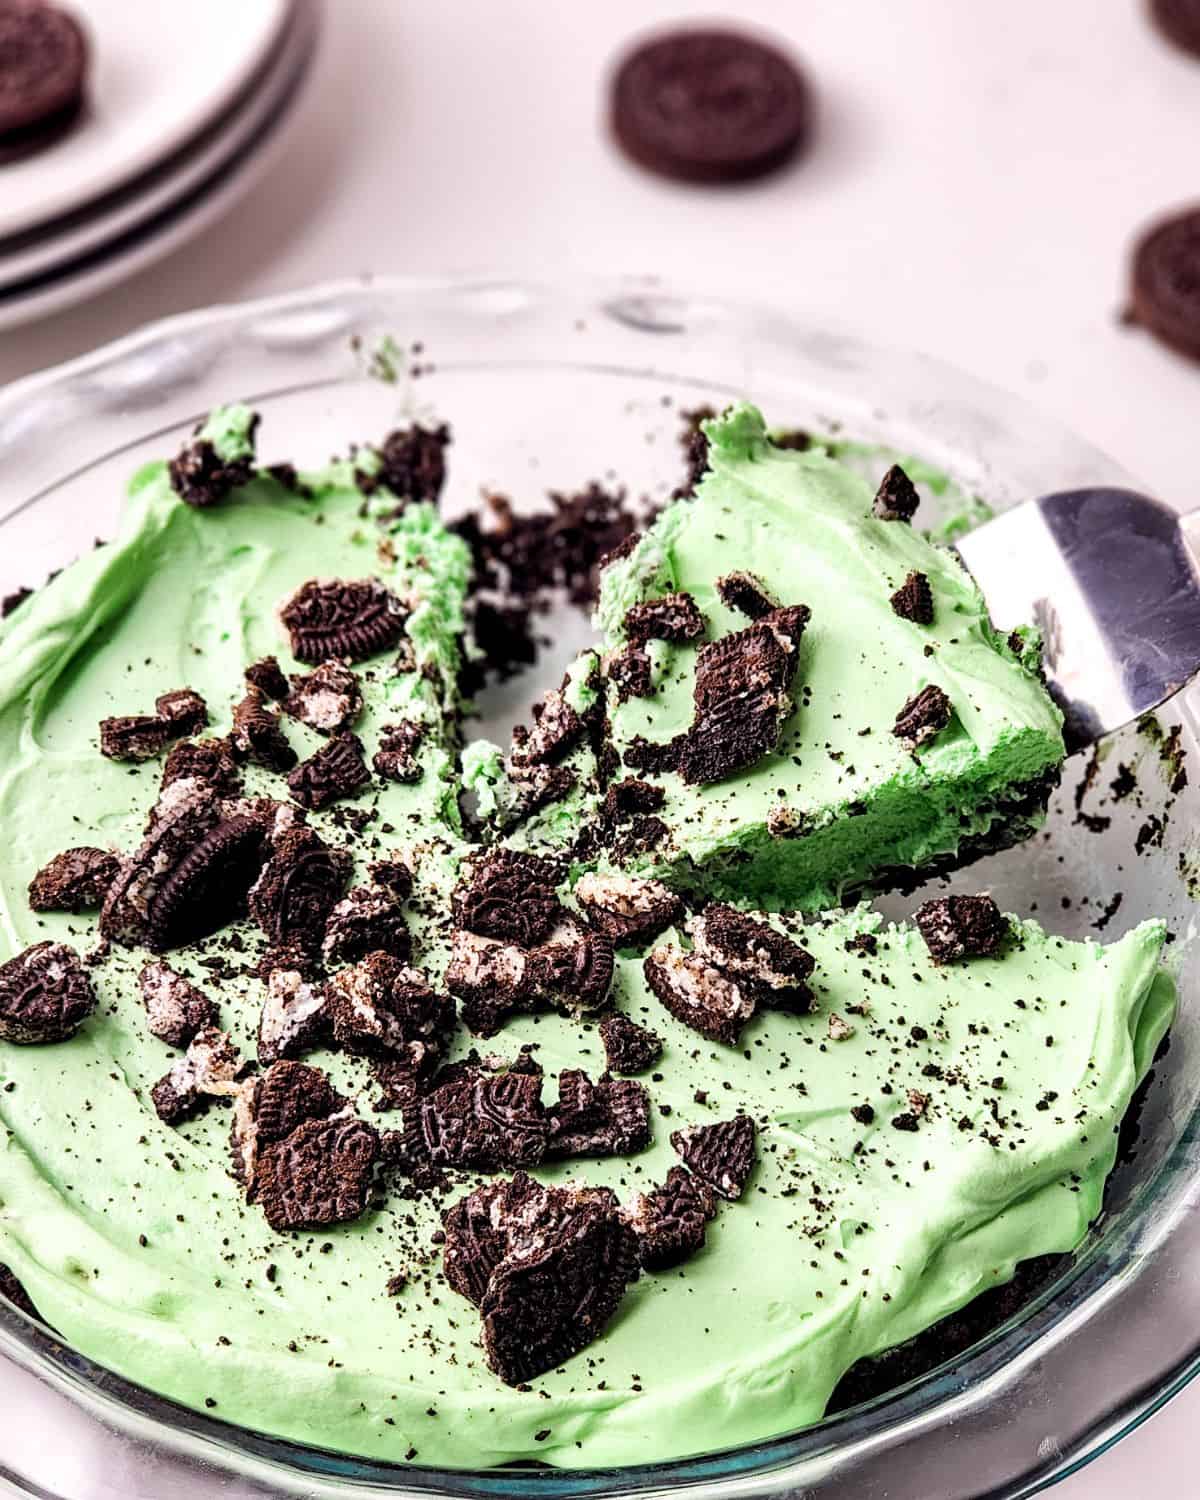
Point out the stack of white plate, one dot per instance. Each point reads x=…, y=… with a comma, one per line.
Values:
x=186, y=105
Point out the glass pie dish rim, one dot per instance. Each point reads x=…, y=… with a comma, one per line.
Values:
x=640, y=307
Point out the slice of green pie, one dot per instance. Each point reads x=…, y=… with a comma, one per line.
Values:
x=816, y=687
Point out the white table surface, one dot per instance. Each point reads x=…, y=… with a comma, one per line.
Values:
x=981, y=169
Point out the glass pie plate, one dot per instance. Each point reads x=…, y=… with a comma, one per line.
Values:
x=547, y=386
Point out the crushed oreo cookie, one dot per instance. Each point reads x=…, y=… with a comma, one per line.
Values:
x=609, y=1118
x=741, y=700
x=335, y=771
x=671, y=1220
x=368, y=919
x=630, y=910
x=769, y=966
x=722, y=1155
x=913, y=600
x=271, y=1107
x=207, y=887
x=269, y=678
x=412, y=463
x=183, y=711
x=346, y=620
x=573, y=970
x=557, y=729
x=674, y=617
x=202, y=478
x=491, y=980
x=294, y=1018
x=206, y=762
x=746, y=594
x=923, y=717
x=210, y=1068
x=547, y=1268
x=396, y=758
x=897, y=498
x=698, y=994
x=480, y=1119
x=257, y=735
x=175, y=1009
x=319, y=1174
x=328, y=699
x=45, y=995
x=299, y=886
x=381, y=1006
x=631, y=672
x=14, y=601
x=509, y=895
x=956, y=927
x=628, y=1047
x=134, y=737
x=75, y=880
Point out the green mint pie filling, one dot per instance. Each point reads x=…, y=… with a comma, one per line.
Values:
x=920, y=1128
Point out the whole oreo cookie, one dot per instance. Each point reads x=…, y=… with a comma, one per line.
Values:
x=1165, y=294
x=1179, y=22
x=709, y=106
x=43, y=67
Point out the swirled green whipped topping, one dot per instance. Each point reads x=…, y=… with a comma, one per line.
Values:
x=1009, y=1074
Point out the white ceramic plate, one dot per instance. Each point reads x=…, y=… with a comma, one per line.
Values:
x=204, y=199
x=161, y=71
x=39, y=253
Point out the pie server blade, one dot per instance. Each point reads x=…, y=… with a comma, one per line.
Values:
x=1112, y=580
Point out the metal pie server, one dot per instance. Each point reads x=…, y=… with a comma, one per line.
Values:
x=1112, y=579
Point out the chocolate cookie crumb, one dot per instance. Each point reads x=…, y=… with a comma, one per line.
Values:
x=547, y=1268
x=956, y=927
x=210, y=1068
x=412, y=463
x=343, y=620
x=381, y=1006
x=674, y=617
x=368, y=919
x=337, y=770
x=698, y=994
x=206, y=888
x=396, y=758
x=746, y=594
x=769, y=966
x=319, y=1174
x=328, y=699
x=631, y=672
x=13, y=601
x=923, y=717
x=299, y=886
x=202, y=478
x=573, y=970
x=723, y=1154
x=490, y=978
x=268, y=677
x=184, y=711
x=509, y=895
x=897, y=498
x=294, y=1017
x=609, y=1118
x=175, y=1009
x=629, y=910
x=76, y=880
x=671, y=1221
x=133, y=737
x=45, y=995
x=913, y=600
x=557, y=729
x=258, y=736
x=480, y=1119
x=628, y=1047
